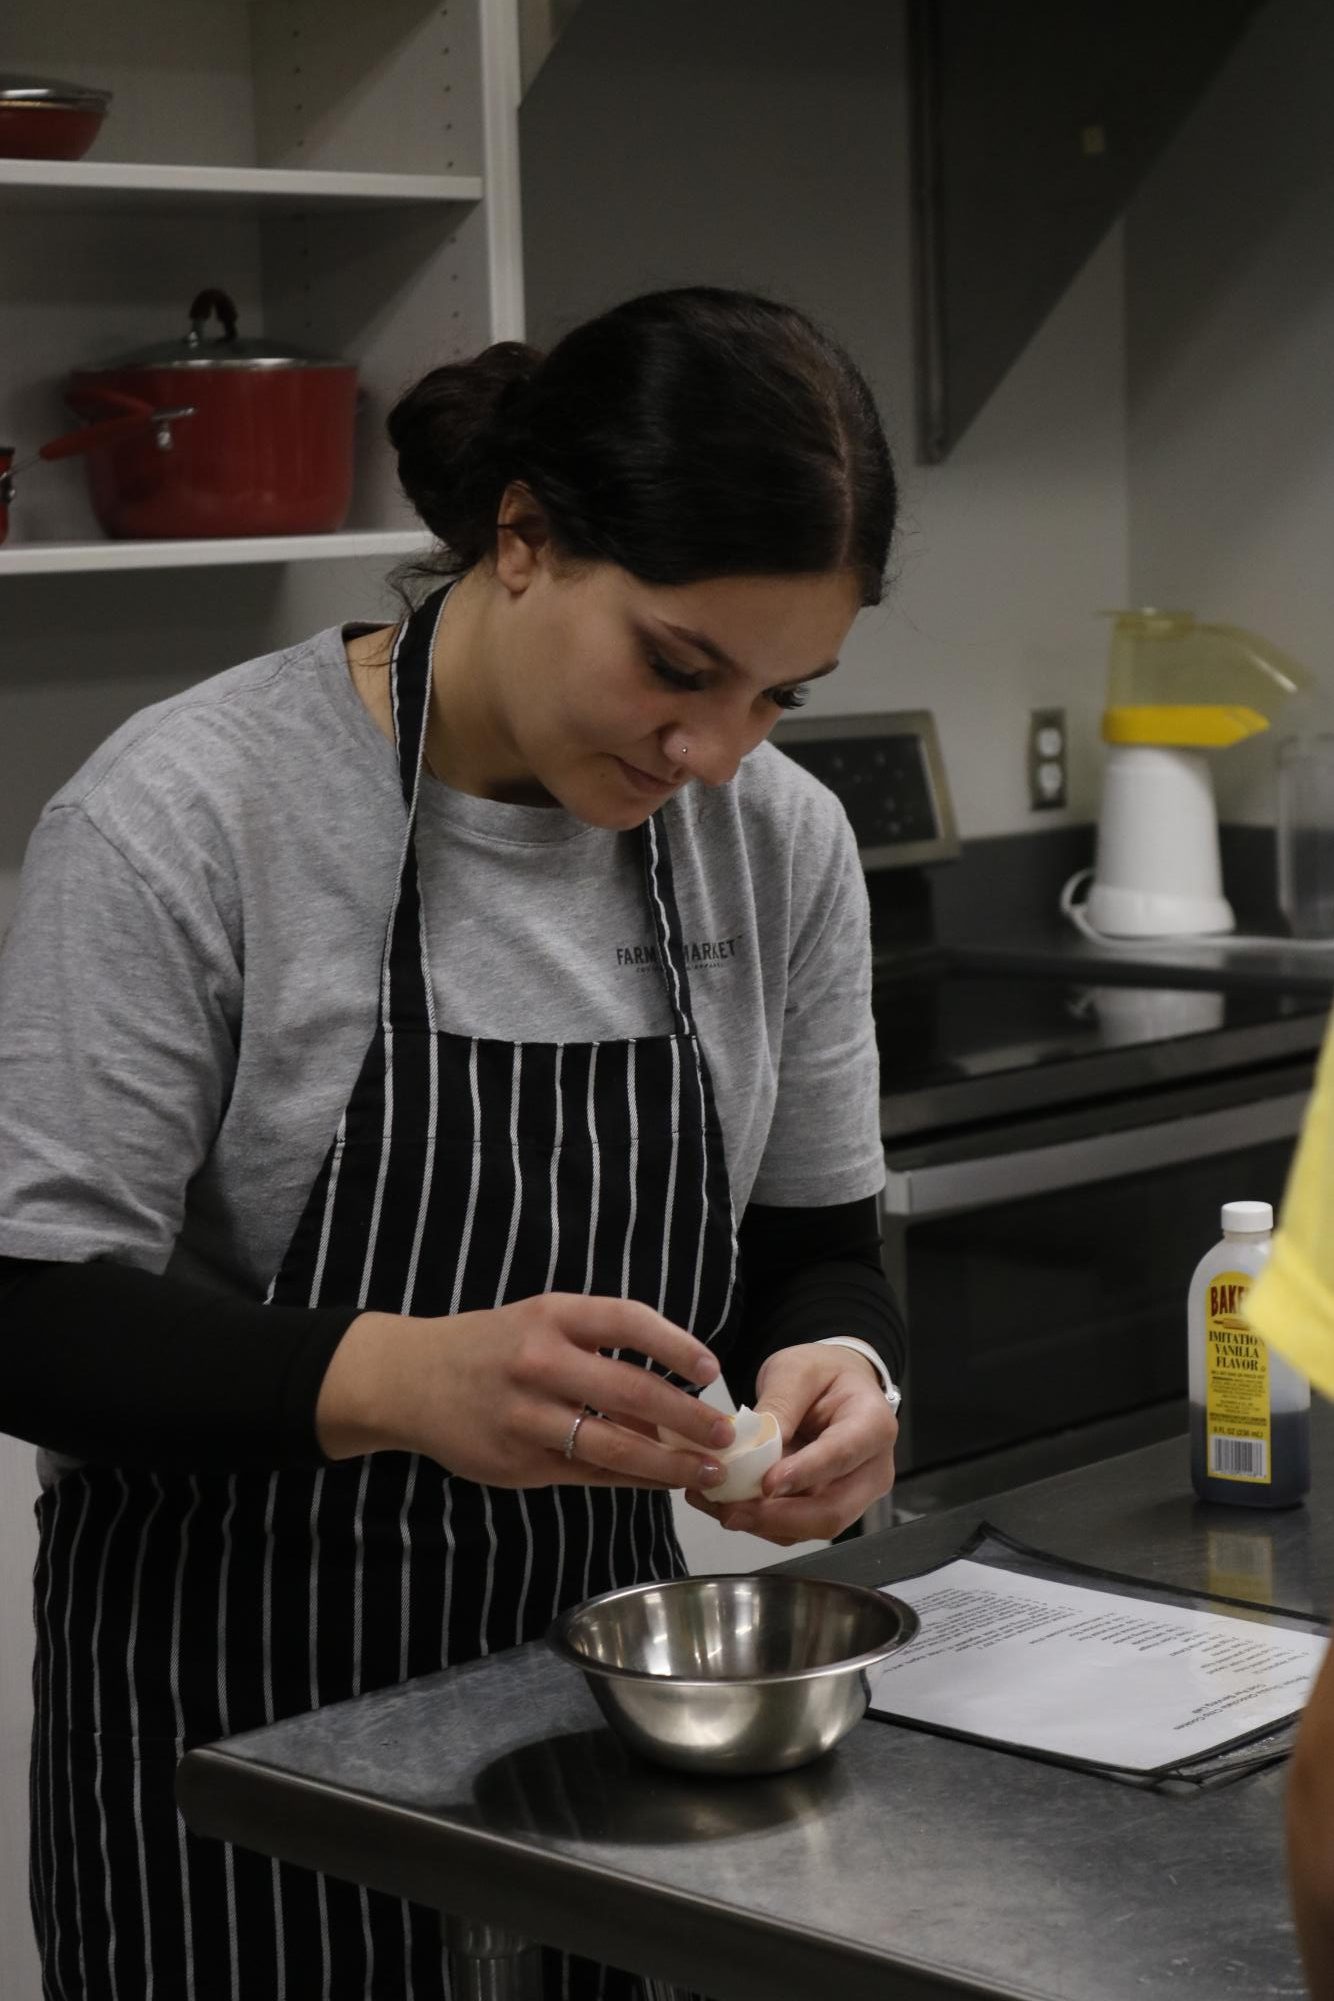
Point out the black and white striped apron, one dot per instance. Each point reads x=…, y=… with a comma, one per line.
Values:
x=175, y=1609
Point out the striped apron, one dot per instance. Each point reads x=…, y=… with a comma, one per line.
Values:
x=175, y=1609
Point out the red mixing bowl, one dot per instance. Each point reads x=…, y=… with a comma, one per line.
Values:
x=42, y=119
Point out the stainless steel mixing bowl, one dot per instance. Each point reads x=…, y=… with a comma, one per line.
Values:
x=733, y=1674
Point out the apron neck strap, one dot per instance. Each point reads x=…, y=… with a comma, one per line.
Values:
x=410, y=691
x=406, y=994
x=661, y=892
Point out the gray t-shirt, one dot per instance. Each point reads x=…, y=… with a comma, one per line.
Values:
x=189, y=984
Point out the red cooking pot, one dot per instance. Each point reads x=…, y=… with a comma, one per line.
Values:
x=265, y=450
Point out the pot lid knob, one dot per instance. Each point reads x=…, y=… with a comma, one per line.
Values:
x=205, y=304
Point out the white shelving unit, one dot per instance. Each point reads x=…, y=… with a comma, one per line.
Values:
x=347, y=173
x=102, y=185
x=42, y=559
x=347, y=170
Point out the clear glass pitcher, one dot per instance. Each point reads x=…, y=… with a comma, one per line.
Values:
x=1306, y=834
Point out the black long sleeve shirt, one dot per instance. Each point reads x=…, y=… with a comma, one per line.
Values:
x=114, y=1365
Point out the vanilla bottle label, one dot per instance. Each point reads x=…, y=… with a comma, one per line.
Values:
x=1238, y=1434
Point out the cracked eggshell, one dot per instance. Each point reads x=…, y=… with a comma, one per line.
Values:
x=758, y=1446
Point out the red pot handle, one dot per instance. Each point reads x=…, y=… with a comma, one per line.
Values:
x=91, y=400
x=112, y=416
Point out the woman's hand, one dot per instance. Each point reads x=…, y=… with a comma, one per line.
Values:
x=838, y=1447
x=492, y=1395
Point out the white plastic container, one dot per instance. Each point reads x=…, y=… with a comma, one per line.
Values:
x=1249, y=1409
x=1158, y=871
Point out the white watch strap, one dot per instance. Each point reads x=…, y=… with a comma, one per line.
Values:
x=893, y=1394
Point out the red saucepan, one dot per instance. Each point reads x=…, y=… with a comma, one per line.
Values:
x=265, y=450
x=41, y=119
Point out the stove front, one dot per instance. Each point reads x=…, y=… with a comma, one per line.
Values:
x=1056, y=1158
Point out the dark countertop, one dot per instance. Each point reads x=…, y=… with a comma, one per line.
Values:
x=1185, y=962
x=991, y=1006
x=1000, y=904
x=900, y=1867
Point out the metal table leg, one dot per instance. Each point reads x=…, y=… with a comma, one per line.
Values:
x=487, y=1963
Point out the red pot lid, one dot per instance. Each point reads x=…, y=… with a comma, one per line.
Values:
x=227, y=349
x=50, y=91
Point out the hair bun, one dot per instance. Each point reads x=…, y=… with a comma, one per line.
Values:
x=447, y=431
x=504, y=370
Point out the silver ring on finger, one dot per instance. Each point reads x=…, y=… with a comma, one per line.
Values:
x=567, y=1449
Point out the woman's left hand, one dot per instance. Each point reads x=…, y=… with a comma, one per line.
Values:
x=838, y=1447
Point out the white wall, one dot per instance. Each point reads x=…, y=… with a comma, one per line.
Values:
x=1230, y=311
x=669, y=145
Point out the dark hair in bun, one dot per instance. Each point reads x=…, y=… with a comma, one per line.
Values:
x=448, y=432
x=684, y=435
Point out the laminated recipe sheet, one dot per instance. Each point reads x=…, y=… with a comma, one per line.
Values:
x=1092, y=1675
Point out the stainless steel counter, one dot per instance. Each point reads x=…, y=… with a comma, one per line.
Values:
x=903, y=1866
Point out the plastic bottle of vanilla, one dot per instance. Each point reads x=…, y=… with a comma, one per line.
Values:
x=1249, y=1409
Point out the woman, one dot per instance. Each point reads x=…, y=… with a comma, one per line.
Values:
x=391, y=1028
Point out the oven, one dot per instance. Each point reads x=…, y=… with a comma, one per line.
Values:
x=1060, y=1134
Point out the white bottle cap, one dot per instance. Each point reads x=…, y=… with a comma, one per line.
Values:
x=1247, y=1219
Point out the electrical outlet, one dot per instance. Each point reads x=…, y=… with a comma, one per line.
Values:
x=1046, y=758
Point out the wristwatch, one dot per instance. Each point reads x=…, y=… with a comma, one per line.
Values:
x=893, y=1394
